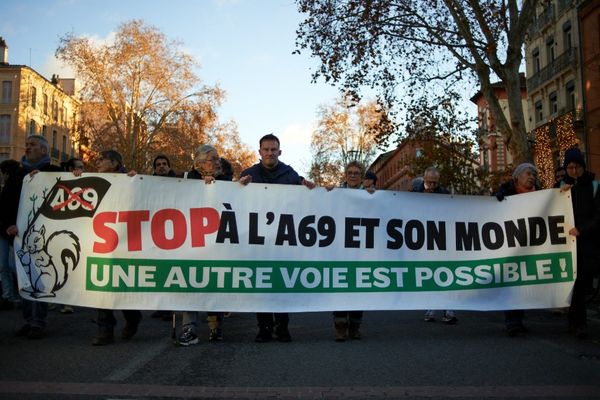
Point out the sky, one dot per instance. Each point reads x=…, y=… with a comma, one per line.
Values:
x=244, y=46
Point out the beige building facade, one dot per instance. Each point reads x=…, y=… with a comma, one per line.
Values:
x=33, y=105
x=554, y=85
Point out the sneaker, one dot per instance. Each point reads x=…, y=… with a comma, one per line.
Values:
x=449, y=319
x=188, y=337
x=129, y=330
x=264, y=335
x=215, y=335
x=23, y=331
x=103, y=338
x=66, y=310
x=429, y=316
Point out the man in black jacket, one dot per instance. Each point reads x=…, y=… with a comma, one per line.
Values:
x=271, y=170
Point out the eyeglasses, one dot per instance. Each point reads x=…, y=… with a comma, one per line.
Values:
x=353, y=173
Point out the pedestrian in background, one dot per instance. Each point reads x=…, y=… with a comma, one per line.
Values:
x=586, y=210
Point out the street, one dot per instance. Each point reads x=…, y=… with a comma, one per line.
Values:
x=400, y=356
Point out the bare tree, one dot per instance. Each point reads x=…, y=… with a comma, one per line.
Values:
x=345, y=132
x=417, y=43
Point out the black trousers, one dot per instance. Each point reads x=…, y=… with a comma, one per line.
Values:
x=269, y=320
x=106, y=319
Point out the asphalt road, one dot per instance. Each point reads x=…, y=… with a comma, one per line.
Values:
x=400, y=356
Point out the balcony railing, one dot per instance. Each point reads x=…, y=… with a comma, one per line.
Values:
x=545, y=18
x=568, y=59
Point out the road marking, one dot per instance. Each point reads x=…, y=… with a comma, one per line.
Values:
x=136, y=363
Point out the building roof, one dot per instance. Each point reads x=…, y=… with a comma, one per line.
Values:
x=500, y=85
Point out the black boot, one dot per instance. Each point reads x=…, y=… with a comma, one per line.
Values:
x=265, y=334
x=282, y=332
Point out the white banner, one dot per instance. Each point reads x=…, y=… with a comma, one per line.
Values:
x=145, y=242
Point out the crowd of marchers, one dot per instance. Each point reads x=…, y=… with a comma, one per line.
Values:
x=209, y=167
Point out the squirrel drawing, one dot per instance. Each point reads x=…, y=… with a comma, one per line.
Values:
x=49, y=261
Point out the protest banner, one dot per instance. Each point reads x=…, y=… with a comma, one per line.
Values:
x=145, y=242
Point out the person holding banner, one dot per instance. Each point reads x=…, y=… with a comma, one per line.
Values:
x=347, y=323
x=12, y=177
x=36, y=159
x=586, y=210
x=271, y=170
x=524, y=180
x=111, y=161
x=431, y=184
x=207, y=167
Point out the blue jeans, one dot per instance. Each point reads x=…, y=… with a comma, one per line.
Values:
x=7, y=271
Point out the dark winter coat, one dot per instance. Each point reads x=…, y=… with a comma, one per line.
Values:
x=9, y=207
x=281, y=174
x=586, y=210
x=438, y=189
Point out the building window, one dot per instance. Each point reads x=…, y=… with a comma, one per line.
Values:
x=33, y=96
x=536, y=60
x=570, y=95
x=4, y=129
x=55, y=110
x=64, y=145
x=6, y=91
x=65, y=116
x=44, y=131
x=550, y=49
x=539, y=114
x=31, y=127
x=567, y=35
x=54, y=139
x=419, y=153
x=553, y=103
x=45, y=104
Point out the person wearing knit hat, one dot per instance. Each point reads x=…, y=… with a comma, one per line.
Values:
x=524, y=180
x=523, y=167
x=586, y=210
x=574, y=155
